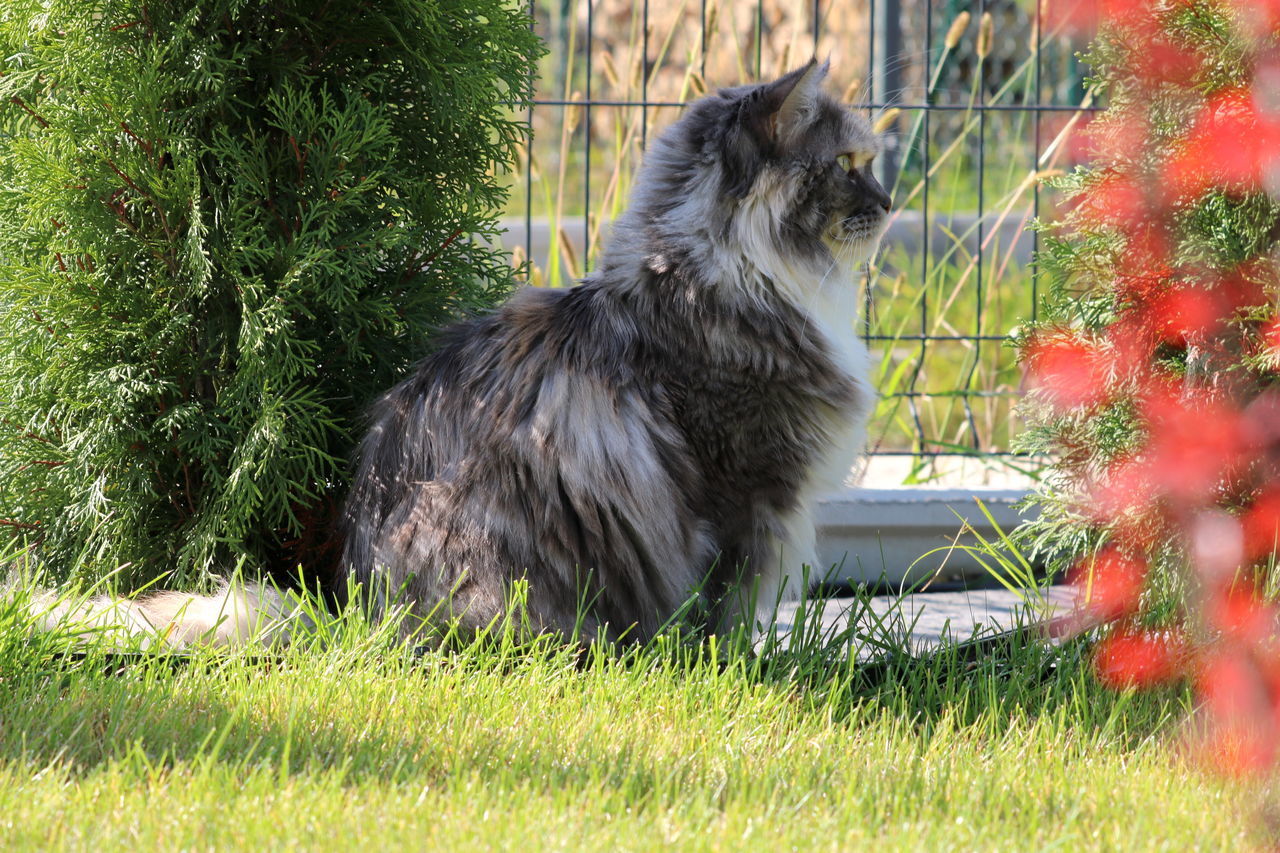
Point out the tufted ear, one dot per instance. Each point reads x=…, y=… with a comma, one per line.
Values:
x=770, y=117
x=793, y=100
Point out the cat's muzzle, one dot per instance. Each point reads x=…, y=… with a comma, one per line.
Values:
x=863, y=226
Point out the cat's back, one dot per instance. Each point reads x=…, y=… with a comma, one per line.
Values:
x=541, y=425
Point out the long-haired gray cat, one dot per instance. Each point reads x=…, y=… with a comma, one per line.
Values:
x=663, y=427
x=659, y=431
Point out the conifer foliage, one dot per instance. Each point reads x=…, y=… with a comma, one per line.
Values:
x=224, y=226
x=1155, y=370
x=1162, y=278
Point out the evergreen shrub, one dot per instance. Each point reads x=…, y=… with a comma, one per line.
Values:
x=224, y=226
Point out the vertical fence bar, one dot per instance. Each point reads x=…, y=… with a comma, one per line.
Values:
x=1037, y=44
x=886, y=90
x=871, y=49
x=868, y=305
x=644, y=79
x=926, y=227
x=528, y=151
x=816, y=24
x=702, y=50
x=586, y=143
x=759, y=38
x=979, y=254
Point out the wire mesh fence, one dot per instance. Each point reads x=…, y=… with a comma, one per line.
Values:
x=978, y=103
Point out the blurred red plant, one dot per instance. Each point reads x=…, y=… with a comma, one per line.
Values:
x=1231, y=145
x=1066, y=370
x=1110, y=583
x=1185, y=355
x=1131, y=658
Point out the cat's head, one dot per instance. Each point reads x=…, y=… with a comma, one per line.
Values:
x=780, y=171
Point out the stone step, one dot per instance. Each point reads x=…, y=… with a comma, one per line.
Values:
x=927, y=620
x=886, y=535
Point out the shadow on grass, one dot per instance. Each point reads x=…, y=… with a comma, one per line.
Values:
x=533, y=717
x=351, y=700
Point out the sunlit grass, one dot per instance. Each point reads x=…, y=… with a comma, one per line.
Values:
x=353, y=740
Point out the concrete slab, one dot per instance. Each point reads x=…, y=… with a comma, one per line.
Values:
x=927, y=620
x=874, y=534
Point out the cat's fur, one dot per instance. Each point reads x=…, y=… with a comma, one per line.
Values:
x=660, y=431
x=663, y=427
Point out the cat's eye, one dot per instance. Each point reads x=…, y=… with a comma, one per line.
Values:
x=849, y=163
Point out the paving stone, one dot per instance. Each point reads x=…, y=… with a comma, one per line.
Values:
x=929, y=619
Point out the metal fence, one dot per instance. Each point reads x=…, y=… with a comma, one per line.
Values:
x=975, y=115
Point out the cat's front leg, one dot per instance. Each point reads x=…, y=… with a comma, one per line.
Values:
x=782, y=564
x=793, y=562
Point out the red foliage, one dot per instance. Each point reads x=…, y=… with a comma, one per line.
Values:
x=1260, y=17
x=1182, y=351
x=1081, y=17
x=1066, y=371
x=1154, y=59
x=1261, y=524
x=1227, y=686
x=1139, y=658
x=1186, y=311
x=1241, y=616
x=1231, y=144
x=1116, y=201
x=1110, y=583
x=1194, y=444
x=1237, y=748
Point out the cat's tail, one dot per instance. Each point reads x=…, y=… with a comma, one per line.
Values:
x=236, y=614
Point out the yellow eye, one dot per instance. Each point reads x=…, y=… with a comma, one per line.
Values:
x=844, y=161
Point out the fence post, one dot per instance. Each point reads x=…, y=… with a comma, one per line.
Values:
x=886, y=77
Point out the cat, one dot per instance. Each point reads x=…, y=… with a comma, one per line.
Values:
x=657, y=434
x=665, y=426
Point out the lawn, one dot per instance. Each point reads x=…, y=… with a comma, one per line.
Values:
x=702, y=746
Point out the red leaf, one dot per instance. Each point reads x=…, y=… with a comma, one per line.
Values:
x=1260, y=17
x=1154, y=59
x=1238, y=748
x=1229, y=686
x=1261, y=524
x=1065, y=371
x=1193, y=444
x=1124, y=488
x=1139, y=659
x=1230, y=144
x=1146, y=251
x=1186, y=312
x=1241, y=732
x=1241, y=615
x=1116, y=201
x=1109, y=583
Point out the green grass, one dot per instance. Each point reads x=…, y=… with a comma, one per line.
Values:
x=700, y=746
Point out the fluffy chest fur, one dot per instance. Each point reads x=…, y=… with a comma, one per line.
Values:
x=766, y=394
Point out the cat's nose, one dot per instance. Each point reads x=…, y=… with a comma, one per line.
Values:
x=876, y=193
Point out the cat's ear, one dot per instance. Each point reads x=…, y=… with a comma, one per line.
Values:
x=791, y=101
x=770, y=117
